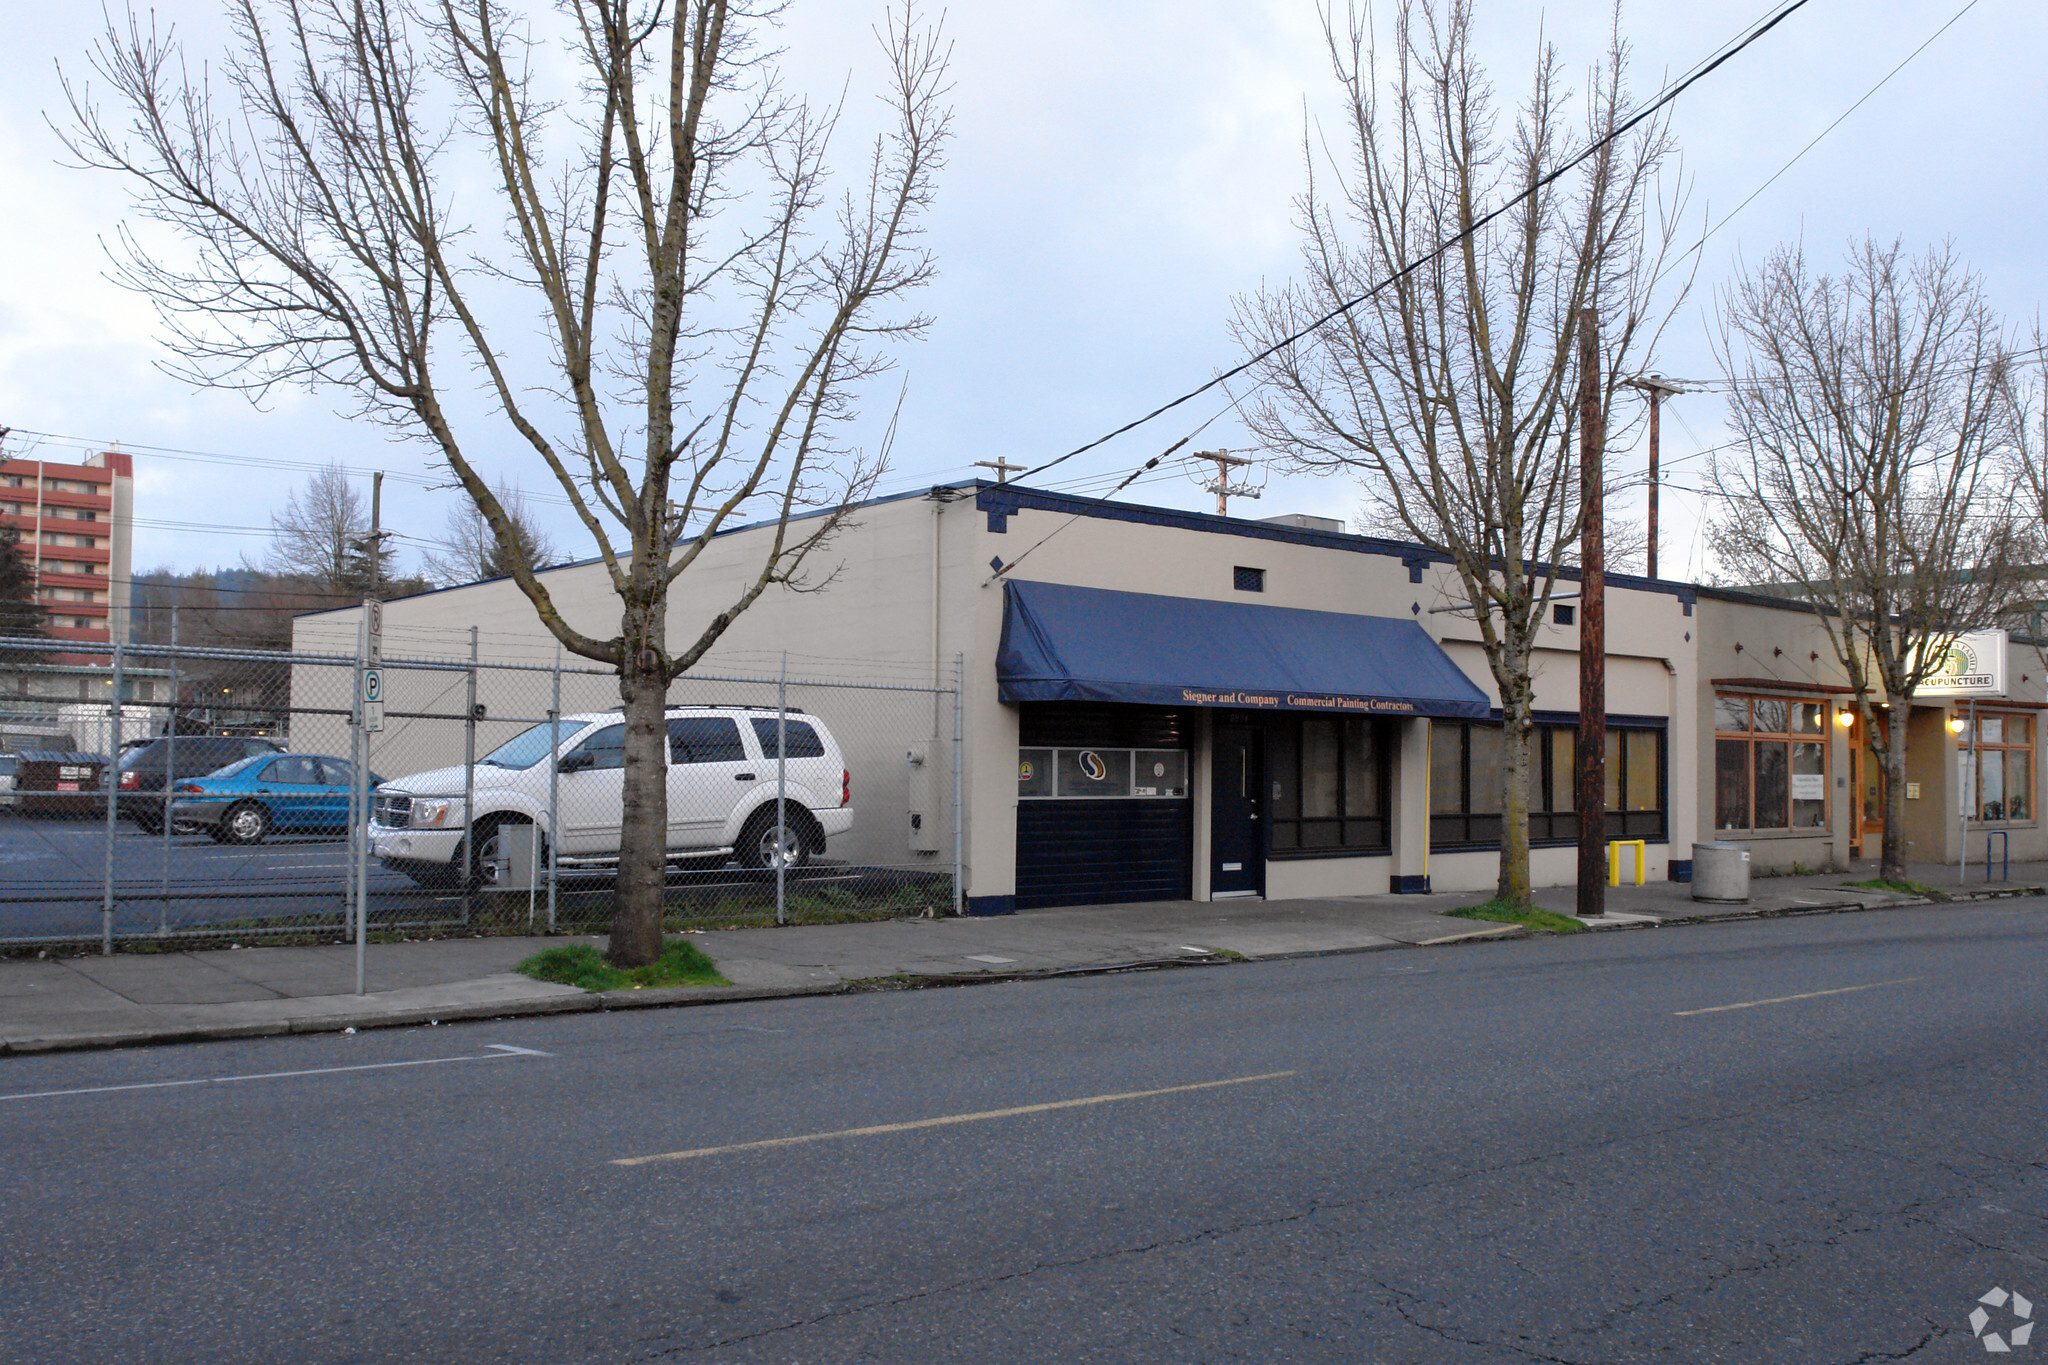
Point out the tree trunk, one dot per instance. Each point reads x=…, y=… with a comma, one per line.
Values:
x=643, y=848
x=1892, y=867
x=1517, y=702
x=1513, y=887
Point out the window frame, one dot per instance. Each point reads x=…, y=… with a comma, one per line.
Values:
x=1373, y=836
x=1551, y=826
x=1114, y=757
x=2003, y=747
x=1753, y=739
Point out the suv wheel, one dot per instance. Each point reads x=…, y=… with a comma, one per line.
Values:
x=763, y=845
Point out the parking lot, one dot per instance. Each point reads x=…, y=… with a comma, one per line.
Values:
x=53, y=870
x=55, y=874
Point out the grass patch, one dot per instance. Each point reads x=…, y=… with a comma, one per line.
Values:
x=1933, y=893
x=1538, y=921
x=680, y=964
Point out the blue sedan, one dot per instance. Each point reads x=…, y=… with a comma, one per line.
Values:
x=244, y=802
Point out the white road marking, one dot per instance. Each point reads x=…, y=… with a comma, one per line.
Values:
x=1781, y=999
x=947, y=1121
x=989, y=957
x=505, y=1050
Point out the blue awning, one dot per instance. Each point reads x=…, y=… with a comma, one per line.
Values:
x=1092, y=644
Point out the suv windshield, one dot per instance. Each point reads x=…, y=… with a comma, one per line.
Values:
x=530, y=746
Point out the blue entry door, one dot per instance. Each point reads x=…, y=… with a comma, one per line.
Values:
x=1237, y=840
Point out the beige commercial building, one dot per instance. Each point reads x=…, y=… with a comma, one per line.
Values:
x=1162, y=704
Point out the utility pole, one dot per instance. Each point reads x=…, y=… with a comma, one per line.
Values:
x=376, y=533
x=1001, y=466
x=1591, y=791
x=1223, y=488
x=1656, y=386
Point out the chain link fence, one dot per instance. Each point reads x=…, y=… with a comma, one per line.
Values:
x=155, y=793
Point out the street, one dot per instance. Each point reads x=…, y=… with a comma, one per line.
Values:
x=1789, y=1140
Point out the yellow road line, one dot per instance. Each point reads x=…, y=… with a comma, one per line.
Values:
x=1781, y=999
x=949, y=1119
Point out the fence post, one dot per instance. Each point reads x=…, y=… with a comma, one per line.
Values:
x=163, y=917
x=959, y=686
x=554, y=785
x=781, y=787
x=113, y=781
x=468, y=860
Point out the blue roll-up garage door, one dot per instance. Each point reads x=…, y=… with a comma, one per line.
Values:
x=1103, y=815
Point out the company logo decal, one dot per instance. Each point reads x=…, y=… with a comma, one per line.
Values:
x=1092, y=766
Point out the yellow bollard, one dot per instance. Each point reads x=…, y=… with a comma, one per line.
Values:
x=1614, y=848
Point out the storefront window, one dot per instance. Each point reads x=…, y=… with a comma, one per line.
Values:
x=1101, y=773
x=1327, y=779
x=1465, y=784
x=2005, y=767
x=1770, y=764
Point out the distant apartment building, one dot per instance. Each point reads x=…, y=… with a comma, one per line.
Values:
x=77, y=525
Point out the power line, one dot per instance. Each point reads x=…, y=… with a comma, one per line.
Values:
x=1882, y=82
x=1670, y=94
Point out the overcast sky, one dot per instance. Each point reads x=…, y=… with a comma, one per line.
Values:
x=1121, y=170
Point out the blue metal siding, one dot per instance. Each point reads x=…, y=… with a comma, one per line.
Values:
x=1103, y=852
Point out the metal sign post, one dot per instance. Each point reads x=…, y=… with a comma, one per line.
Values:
x=370, y=707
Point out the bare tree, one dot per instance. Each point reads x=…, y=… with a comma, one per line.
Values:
x=1872, y=408
x=322, y=534
x=468, y=550
x=1449, y=390
x=711, y=305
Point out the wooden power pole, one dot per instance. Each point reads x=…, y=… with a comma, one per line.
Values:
x=1590, y=797
x=1223, y=488
x=1656, y=386
x=1002, y=467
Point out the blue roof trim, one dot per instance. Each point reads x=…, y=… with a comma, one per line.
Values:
x=1007, y=498
x=1063, y=643
x=1000, y=500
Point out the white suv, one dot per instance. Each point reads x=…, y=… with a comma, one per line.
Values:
x=721, y=795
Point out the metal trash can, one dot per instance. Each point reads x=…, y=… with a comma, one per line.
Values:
x=1720, y=872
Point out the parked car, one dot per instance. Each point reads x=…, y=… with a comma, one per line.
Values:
x=59, y=782
x=149, y=768
x=721, y=796
x=9, y=767
x=245, y=802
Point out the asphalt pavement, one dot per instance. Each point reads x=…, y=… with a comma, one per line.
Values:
x=1810, y=1139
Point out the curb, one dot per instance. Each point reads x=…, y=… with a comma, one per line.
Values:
x=602, y=1002
x=676, y=997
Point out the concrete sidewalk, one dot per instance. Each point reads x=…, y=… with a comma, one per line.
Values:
x=59, y=1003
